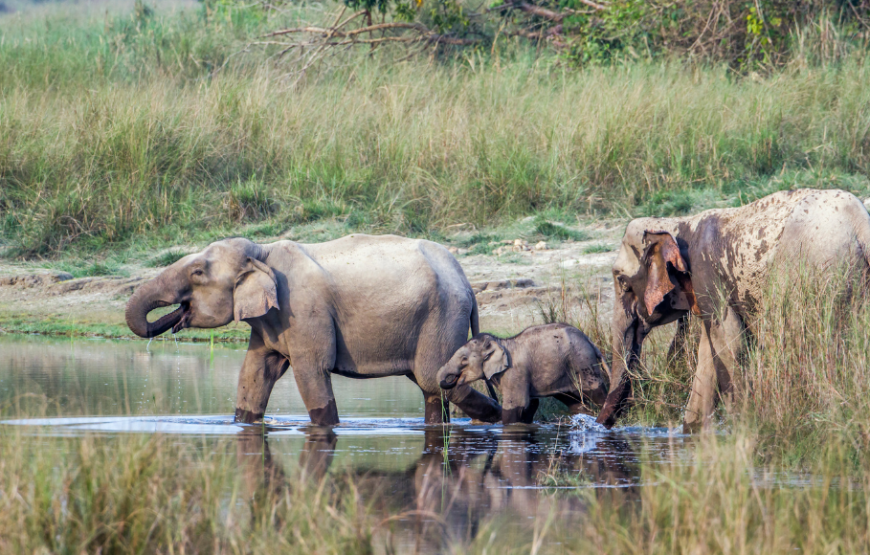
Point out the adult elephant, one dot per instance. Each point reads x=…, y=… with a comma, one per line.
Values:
x=716, y=265
x=361, y=306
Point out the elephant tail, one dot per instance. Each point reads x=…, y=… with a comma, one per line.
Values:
x=475, y=323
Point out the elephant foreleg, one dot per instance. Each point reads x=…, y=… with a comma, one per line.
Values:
x=518, y=406
x=437, y=409
x=721, y=342
x=727, y=339
x=702, y=399
x=261, y=369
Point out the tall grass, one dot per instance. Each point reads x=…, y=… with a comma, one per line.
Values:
x=722, y=501
x=141, y=494
x=135, y=494
x=93, y=154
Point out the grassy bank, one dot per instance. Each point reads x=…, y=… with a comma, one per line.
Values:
x=112, y=134
x=134, y=493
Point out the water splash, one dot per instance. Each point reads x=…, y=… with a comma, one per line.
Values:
x=584, y=422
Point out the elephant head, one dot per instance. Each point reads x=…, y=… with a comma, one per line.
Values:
x=653, y=287
x=225, y=282
x=482, y=357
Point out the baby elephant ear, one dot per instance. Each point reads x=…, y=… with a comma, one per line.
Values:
x=255, y=291
x=497, y=362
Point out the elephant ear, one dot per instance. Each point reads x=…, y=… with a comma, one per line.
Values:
x=661, y=252
x=496, y=359
x=255, y=292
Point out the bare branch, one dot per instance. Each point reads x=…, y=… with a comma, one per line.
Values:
x=593, y=5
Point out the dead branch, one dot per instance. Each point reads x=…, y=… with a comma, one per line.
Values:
x=537, y=35
x=594, y=5
x=540, y=12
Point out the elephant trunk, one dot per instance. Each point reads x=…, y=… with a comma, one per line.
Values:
x=148, y=297
x=617, y=399
x=627, y=340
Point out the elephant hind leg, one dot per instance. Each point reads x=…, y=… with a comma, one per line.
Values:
x=436, y=406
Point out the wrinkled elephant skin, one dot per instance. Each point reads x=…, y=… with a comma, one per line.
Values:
x=552, y=360
x=715, y=266
x=361, y=306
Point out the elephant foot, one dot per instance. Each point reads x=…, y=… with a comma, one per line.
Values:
x=247, y=417
x=437, y=410
x=325, y=416
x=512, y=416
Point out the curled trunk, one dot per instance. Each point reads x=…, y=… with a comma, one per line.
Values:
x=148, y=297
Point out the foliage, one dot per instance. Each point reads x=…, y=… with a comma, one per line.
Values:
x=142, y=137
x=552, y=230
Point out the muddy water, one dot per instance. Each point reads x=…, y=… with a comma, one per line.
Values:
x=449, y=479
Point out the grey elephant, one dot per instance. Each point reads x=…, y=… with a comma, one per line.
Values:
x=716, y=265
x=361, y=306
x=552, y=360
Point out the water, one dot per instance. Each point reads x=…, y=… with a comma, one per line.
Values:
x=455, y=477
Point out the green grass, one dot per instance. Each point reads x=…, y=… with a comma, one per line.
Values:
x=117, y=138
x=552, y=230
x=59, y=325
x=598, y=248
x=114, y=132
x=166, y=258
x=88, y=268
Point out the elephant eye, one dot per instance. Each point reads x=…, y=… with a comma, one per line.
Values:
x=197, y=272
x=623, y=283
x=489, y=354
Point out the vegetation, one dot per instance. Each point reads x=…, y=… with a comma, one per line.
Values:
x=154, y=129
x=791, y=474
x=147, y=130
x=139, y=494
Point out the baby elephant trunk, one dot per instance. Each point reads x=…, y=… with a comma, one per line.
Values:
x=448, y=376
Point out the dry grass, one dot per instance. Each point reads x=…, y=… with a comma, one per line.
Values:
x=141, y=494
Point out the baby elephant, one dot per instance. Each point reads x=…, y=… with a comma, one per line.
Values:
x=553, y=360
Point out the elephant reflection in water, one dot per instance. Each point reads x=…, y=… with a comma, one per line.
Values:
x=445, y=498
x=263, y=475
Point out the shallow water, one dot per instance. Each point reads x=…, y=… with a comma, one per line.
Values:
x=108, y=388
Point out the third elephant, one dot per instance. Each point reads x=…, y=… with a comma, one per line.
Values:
x=716, y=266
